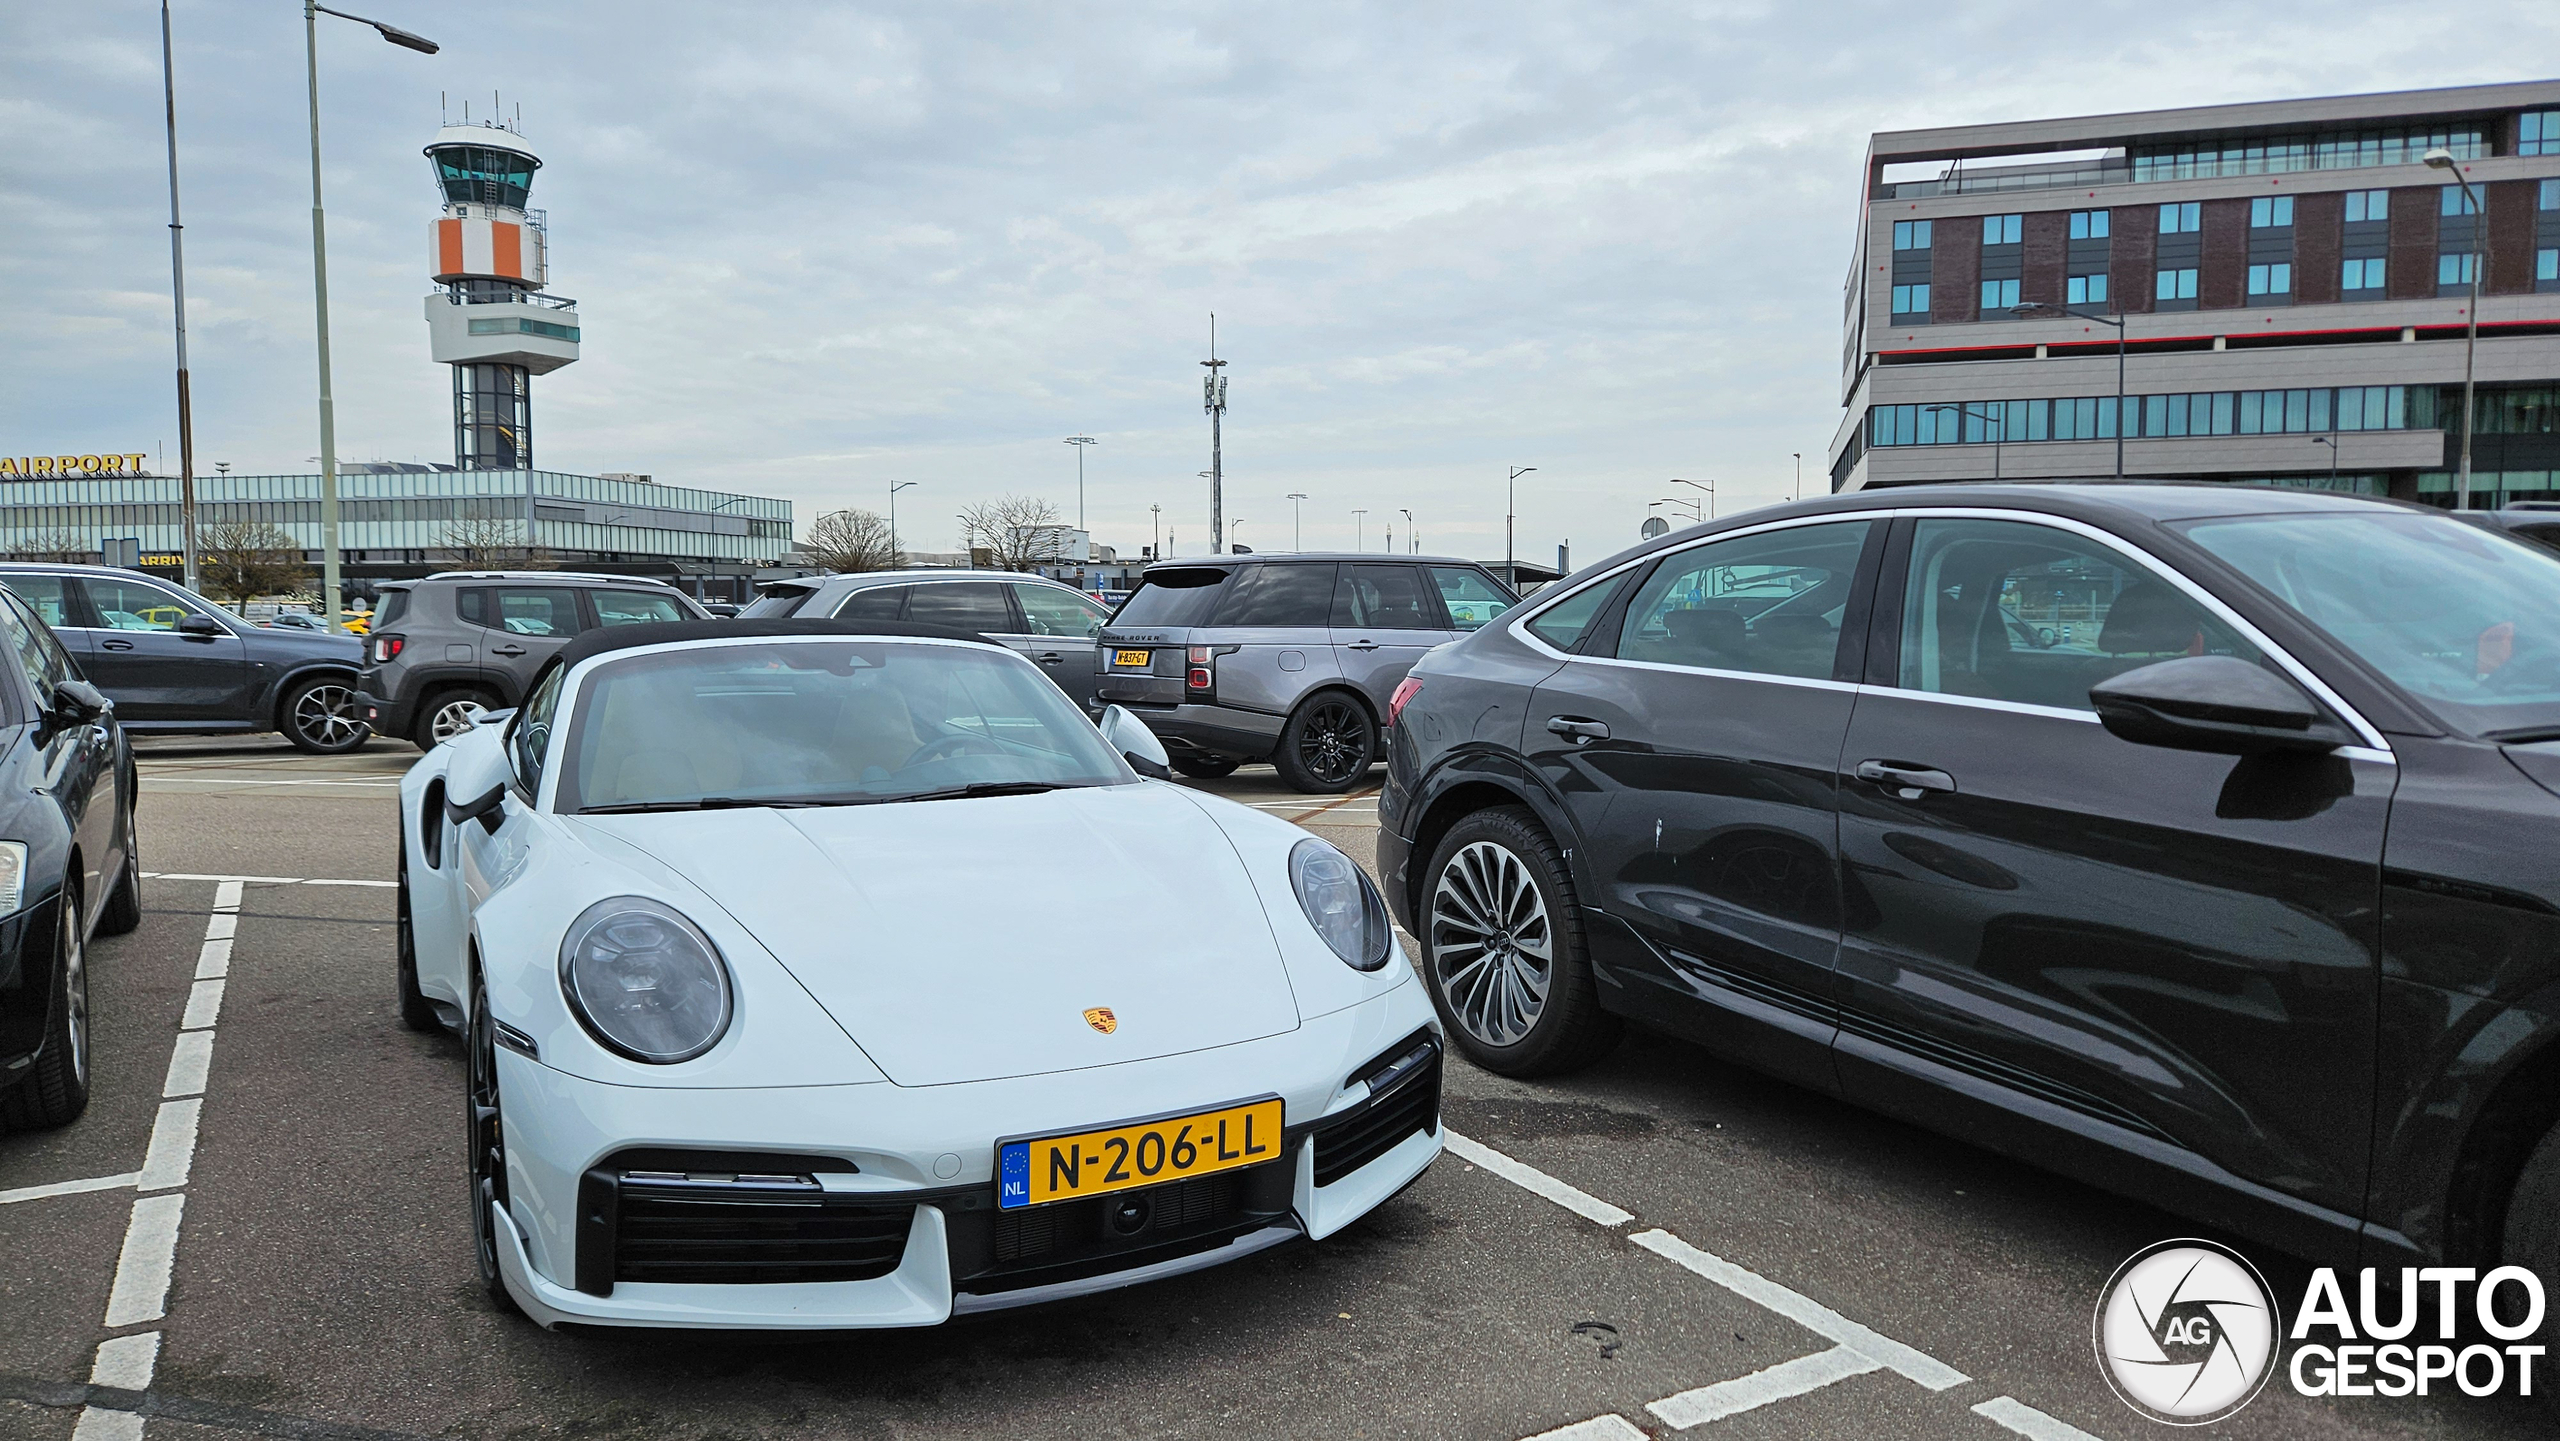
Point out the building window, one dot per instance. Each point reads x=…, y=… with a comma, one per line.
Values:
x=2000, y=229
x=2180, y=219
x=2368, y=205
x=2458, y=201
x=2548, y=198
x=2325, y=150
x=2539, y=134
x=2176, y=285
x=2085, y=290
x=2089, y=224
x=2455, y=269
x=2362, y=276
x=1999, y=295
x=1911, y=299
x=2270, y=280
x=2546, y=265
x=1911, y=235
x=2271, y=212
x=2225, y=412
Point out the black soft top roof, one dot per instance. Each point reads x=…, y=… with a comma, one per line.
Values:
x=605, y=640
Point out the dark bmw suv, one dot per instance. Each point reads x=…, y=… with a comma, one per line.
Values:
x=2195, y=841
x=176, y=663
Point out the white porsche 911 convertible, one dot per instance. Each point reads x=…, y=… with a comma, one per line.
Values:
x=823, y=975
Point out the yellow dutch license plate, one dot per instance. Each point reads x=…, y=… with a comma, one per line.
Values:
x=1135, y=659
x=1037, y=1171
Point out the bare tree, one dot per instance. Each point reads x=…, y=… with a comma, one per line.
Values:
x=51, y=545
x=1016, y=532
x=492, y=542
x=851, y=540
x=240, y=559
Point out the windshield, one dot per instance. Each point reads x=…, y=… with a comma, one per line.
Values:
x=822, y=722
x=2466, y=619
x=1174, y=597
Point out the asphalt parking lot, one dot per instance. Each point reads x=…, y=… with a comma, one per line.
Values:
x=259, y=1229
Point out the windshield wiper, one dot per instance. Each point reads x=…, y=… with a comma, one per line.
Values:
x=706, y=803
x=984, y=788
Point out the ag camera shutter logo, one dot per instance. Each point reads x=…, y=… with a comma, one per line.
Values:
x=2186, y=1332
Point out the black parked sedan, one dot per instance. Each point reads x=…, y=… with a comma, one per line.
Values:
x=69, y=868
x=2195, y=841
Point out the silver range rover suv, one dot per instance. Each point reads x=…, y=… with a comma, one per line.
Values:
x=1293, y=659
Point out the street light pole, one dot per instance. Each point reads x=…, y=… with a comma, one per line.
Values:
x=1708, y=486
x=1798, y=492
x=311, y=13
x=1297, y=532
x=1360, y=531
x=894, y=552
x=1510, y=507
x=1080, y=442
x=178, y=296
x=2047, y=307
x=1156, y=551
x=2442, y=159
x=1412, y=532
x=2332, y=443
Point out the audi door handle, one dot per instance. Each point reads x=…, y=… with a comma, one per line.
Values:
x=1578, y=728
x=1362, y=645
x=507, y=650
x=1907, y=782
x=115, y=645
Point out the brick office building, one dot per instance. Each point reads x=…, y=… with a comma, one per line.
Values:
x=2290, y=276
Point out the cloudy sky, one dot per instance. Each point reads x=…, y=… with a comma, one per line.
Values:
x=820, y=248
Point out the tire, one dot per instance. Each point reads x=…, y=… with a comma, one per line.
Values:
x=415, y=1011
x=2532, y=1238
x=1203, y=769
x=441, y=714
x=1328, y=745
x=1503, y=951
x=485, y=1145
x=123, y=911
x=319, y=717
x=55, y=1089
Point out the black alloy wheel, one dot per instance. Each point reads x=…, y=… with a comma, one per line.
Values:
x=55, y=1090
x=1205, y=768
x=1503, y=950
x=321, y=717
x=415, y=1011
x=485, y=1143
x=1327, y=746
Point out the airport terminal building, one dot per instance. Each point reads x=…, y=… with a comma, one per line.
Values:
x=2293, y=283
x=399, y=521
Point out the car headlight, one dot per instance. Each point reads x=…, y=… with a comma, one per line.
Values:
x=1341, y=904
x=645, y=981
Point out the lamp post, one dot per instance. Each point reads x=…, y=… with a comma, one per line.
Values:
x=311, y=14
x=893, y=515
x=1080, y=442
x=1412, y=532
x=1798, y=492
x=1156, y=551
x=2332, y=443
x=1510, y=507
x=2442, y=159
x=1360, y=532
x=1233, y=526
x=2002, y=434
x=2047, y=307
x=178, y=297
x=1708, y=486
x=1297, y=534
x=1694, y=517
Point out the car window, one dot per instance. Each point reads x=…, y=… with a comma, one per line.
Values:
x=1182, y=595
x=1470, y=595
x=395, y=604
x=137, y=605
x=879, y=602
x=529, y=736
x=1768, y=604
x=523, y=610
x=44, y=595
x=1047, y=610
x=1561, y=625
x=1290, y=594
x=779, y=600
x=633, y=607
x=976, y=605
x=1384, y=597
x=43, y=667
x=2007, y=610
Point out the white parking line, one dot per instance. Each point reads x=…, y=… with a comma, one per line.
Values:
x=1612, y=1427
x=2029, y=1422
x=150, y=1253
x=1749, y=1393
x=1812, y=1315
x=1530, y=1178
x=69, y=1188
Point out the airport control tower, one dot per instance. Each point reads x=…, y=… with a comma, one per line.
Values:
x=488, y=318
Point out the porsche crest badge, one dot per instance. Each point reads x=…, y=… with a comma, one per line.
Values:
x=1101, y=1019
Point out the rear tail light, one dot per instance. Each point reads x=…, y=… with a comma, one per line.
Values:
x=387, y=648
x=1406, y=689
x=1200, y=677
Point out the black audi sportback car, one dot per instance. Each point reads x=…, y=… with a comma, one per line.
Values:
x=2196, y=841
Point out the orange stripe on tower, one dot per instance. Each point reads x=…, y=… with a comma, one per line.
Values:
x=506, y=249
x=448, y=247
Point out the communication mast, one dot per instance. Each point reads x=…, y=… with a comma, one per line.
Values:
x=1213, y=399
x=489, y=318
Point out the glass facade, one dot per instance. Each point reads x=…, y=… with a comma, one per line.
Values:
x=409, y=516
x=2325, y=150
x=2317, y=410
x=484, y=174
x=492, y=416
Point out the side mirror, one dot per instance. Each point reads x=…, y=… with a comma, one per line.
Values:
x=199, y=625
x=77, y=703
x=1136, y=744
x=475, y=785
x=2215, y=703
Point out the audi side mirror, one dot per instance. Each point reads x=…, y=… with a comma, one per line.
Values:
x=77, y=703
x=1136, y=744
x=2214, y=703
